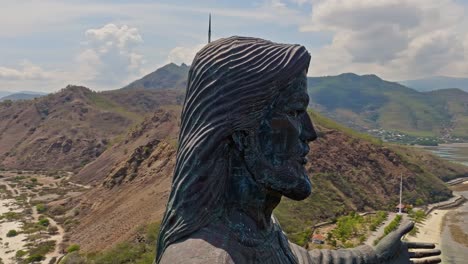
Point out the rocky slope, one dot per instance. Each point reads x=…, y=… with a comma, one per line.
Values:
x=68, y=129
x=59, y=131
x=131, y=184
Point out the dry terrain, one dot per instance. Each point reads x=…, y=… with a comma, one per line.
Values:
x=27, y=199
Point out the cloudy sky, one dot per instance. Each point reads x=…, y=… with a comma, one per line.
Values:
x=47, y=44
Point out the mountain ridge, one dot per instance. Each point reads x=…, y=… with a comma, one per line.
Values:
x=437, y=83
x=22, y=95
x=170, y=76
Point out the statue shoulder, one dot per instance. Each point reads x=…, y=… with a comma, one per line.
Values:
x=196, y=251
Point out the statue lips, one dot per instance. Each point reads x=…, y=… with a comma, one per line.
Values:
x=303, y=160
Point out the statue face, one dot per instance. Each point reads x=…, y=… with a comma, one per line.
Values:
x=282, y=143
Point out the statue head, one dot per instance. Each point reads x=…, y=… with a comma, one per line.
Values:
x=248, y=96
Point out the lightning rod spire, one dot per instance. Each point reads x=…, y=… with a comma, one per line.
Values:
x=209, y=29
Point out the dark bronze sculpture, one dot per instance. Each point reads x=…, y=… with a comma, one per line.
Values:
x=242, y=146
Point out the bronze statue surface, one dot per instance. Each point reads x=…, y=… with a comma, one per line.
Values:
x=242, y=145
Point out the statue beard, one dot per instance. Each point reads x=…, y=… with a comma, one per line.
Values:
x=289, y=178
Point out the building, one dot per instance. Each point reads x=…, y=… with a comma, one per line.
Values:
x=318, y=239
x=404, y=208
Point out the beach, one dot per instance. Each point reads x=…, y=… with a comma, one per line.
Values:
x=431, y=229
x=448, y=230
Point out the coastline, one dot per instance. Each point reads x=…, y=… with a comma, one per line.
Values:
x=431, y=229
x=436, y=228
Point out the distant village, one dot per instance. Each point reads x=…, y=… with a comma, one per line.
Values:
x=399, y=137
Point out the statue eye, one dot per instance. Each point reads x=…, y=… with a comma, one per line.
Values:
x=293, y=113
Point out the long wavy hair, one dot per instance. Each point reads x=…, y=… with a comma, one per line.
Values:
x=231, y=83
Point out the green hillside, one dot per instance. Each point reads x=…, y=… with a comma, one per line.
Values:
x=170, y=76
x=368, y=102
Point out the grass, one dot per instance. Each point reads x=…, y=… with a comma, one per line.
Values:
x=105, y=104
x=126, y=252
x=38, y=251
x=321, y=120
x=11, y=216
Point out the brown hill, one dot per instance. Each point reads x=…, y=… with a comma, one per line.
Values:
x=349, y=172
x=131, y=184
x=68, y=129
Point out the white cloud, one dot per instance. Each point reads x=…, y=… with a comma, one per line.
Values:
x=397, y=39
x=108, y=60
x=110, y=56
x=185, y=55
x=26, y=71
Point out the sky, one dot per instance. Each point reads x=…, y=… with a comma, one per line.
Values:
x=48, y=44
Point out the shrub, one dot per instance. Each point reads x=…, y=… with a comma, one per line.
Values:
x=72, y=248
x=52, y=230
x=20, y=253
x=12, y=233
x=11, y=216
x=44, y=222
x=41, y=249
x=35, y=258
x=393, y=225
x=41, y=208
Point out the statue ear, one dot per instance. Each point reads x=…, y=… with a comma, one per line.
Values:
x=239, y=138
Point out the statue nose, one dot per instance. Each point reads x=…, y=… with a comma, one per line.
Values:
x=308, y=132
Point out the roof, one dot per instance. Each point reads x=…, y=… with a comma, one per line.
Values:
x=318, y=237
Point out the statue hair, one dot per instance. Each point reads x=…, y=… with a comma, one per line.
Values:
x=231, y=83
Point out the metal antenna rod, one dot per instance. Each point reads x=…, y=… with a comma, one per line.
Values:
x=209, y=29
x=401, y=191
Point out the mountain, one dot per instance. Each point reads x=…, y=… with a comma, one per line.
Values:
x=4, y=93
x=170, y=76
x=436, y=83
x=367, y=102
x=22, y=96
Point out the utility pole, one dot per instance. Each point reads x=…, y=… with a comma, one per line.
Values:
x=209, y=29
x=401, y=192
